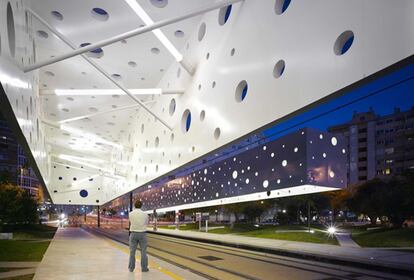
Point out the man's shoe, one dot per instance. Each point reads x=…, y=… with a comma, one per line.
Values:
x=145, y=270
x=130, y=270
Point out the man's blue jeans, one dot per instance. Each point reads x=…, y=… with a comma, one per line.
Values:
x=134, y=239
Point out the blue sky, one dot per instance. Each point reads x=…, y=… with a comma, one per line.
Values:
x=382, y=95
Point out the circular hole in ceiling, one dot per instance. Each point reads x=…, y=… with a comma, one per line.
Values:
x=213, y=85
x=202, y=115
x=132, y=64
x=159, y=3
x=96, y=53
x=217, y=133
x=179, y=34
x=70, y=98
x=207, y=55
x=172, y=107
x=83, y=193
x=344, y=42
x=142, y=128
x=155, y=50
x=10, y=30
x=56, y=15
x=241, y=91
x=281, y=6
x=224, y=14
x=201, y=31
x=49, y=73
x=186, y=121
x=172, y=137
x=178, y=72
x=65, y=110
x=232, y=52
x=117, y=77
x=42, y=34
x=157, y=142
x=100, y=14
x=279, y=68
x=93, y=109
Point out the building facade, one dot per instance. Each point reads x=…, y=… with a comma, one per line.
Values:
x=379, y=146
x=14, y=165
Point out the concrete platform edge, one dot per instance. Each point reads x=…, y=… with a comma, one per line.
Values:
x=385, y=267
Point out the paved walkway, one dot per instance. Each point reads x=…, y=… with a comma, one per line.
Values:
x=17, y=269
x=345, y=240
x=77, y=254
x=389, y=258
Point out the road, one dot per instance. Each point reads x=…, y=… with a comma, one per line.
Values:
x=222, y=262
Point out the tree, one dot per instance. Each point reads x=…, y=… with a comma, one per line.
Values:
x=235, y=208
x=16, y=205
x=255, y=209
x=399, y=200
x=369, y=198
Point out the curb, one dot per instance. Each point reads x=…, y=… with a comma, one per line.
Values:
x=401, y=270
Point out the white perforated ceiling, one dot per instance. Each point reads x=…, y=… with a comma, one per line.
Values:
x=252, y=65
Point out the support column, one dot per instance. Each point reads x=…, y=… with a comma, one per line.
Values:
x=131, y=206
x=309, y=215
x=177, y=225
x=99, y=216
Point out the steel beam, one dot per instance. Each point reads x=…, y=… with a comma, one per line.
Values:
x=128, y=34
x=99, y=68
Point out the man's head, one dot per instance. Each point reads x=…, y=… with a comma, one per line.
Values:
x=138, y=204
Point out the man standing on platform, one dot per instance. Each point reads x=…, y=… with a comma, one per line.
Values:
x=138, y=221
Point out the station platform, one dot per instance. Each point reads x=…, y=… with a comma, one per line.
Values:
x=76, y=254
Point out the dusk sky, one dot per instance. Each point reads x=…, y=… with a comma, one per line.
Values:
x=383, y=95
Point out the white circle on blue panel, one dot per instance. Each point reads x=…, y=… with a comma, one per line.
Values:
x=265, y=183
x=247, y=181
x=284, y=163
x=334, y=141
x=234, y=174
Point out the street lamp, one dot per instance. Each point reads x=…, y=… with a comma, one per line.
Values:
x=122, y=219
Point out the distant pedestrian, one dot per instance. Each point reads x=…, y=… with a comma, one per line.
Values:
x=138, y=221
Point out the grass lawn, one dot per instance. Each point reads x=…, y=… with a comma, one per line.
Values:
x=20, y=250
x=22, y=247
x=385, y=238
